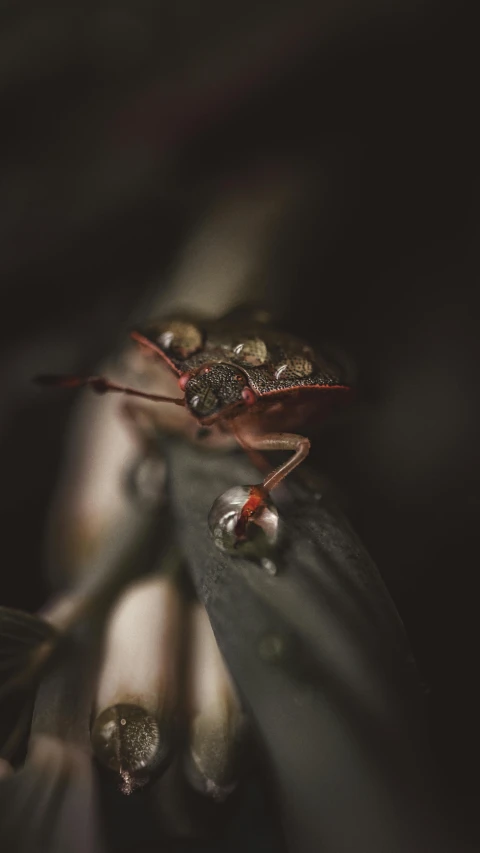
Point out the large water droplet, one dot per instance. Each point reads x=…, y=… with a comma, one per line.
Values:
x=263, y=531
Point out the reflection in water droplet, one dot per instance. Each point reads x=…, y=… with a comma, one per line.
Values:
x=280, y=371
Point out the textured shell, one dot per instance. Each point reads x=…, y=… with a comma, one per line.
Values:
x=273, y=361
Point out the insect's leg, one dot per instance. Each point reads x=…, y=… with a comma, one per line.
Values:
x=275, y=441
x=283, y=441
x=102, y=385
x=257, y=458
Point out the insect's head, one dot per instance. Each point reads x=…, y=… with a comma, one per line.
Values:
x=216, y=390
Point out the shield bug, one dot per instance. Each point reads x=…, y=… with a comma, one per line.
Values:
x=245, y=377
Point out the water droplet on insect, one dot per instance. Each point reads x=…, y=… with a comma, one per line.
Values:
x=295, y=367
x=180, y=338
x=251, y=352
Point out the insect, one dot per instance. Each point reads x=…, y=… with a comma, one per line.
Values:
x=244, y=377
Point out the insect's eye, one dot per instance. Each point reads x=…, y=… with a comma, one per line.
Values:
x=179, y=338
x=204, y=403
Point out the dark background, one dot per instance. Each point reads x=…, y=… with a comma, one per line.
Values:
x=120, y=122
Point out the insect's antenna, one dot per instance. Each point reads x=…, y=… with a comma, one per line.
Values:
x=102, y=386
